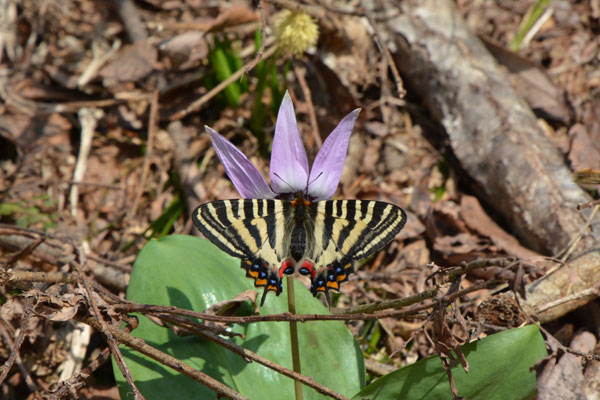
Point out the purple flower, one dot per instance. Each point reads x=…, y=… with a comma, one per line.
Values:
x=289, y=164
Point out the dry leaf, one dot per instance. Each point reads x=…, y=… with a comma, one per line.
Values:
x=532, y=83
x=237, y=14
x=131, y=64
x=476, y=219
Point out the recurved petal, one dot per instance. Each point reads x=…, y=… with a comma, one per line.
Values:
x=328, y=165
x=289, y=165
x=245, y=176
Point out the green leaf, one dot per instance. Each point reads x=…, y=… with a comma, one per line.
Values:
x=532, y=16
x=163, y=224
x=499, y=368
x=223, y=72
x=191, y=273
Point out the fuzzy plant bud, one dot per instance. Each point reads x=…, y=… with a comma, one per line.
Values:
x=295, y=32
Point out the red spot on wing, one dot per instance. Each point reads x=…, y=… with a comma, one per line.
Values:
x=310, y=267
x=284, y=265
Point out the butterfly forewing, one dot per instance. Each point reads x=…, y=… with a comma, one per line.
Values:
x=244, y=228
x=376, y=224
x=319, y=239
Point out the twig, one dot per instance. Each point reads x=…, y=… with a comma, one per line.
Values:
x=263, y=36
x=122, y=267
x=590, y=293
x=481, y=263
x=152, y=309
x=152, y=121
x=131, y=20
x=11, y=276
x=76, y=381
x=589, y=204
x=165, y=359
x=88, y=117
x=311, y=108
x=17, y=238
x=400, y=91
x=395, y=303
x=98, y=61
x=355, y=313
x=195, y=106
x=567, y=349
x=23, y=252
x=578, y=237
x=112, y=343
x=15, y=346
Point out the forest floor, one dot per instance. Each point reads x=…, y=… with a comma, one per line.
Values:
x=103, y=148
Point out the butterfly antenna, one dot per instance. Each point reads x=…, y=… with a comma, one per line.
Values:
x=284, y=181
x=316, y=177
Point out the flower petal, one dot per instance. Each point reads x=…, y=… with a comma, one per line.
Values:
x=246, y=178
x=289, y=164
x=329, y=163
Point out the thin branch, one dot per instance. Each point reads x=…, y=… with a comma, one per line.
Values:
x=11, y=276
x=112, y=343
x=590, y=294
x=349, y=315
x=311, y=108
x=389, y=60
x=165, y=359
x=23, y=252
x=15, y=346
x=589, y=204
x=395, y=303
x=88, y=117
x=75, y=382
x=152, y=121
x=263, y=36
x=567, y=349
x=157, y=310
x=131, y=19
x=54, y=251
x=250, y=355
x=195, y=106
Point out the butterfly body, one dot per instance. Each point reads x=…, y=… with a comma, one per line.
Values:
x=282, y=237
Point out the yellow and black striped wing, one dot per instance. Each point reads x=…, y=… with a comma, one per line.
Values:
x=255, y=230
x=320, y=239
x=245, y=228
x=354, y=229
x=348, y=230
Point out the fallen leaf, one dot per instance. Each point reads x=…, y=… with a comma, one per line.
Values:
x=185, y=50
x=583, y=152
x=476, y=219
x=239, y=13
x=132, y=63
x=532, y=83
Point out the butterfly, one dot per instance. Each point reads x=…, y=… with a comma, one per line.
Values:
x=318, y=239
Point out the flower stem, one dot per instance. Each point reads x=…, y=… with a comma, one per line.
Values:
x=294, y=337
